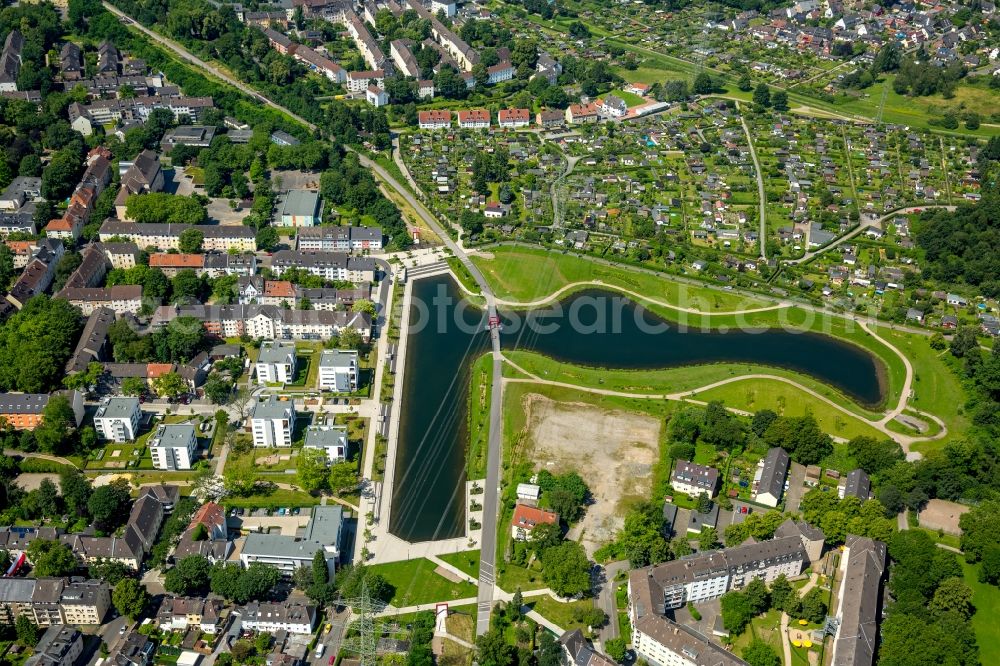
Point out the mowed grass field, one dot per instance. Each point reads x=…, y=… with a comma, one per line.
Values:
x=416, y=583
x=528, y=274
x=986, y=599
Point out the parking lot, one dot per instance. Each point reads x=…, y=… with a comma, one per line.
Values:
x=288, y=525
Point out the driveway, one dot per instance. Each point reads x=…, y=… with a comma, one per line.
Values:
x=604, y=584
x=220, y=212
x=796, y=487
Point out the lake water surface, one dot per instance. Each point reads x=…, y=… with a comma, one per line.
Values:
x=593, y=328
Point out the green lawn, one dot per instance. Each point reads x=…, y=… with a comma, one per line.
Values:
x=630, y=99
x=986, y=599
x=756, y=394
x=416, y=583
x=560, y=613
x=529, y=274
x=278, y=498
x=481, y=386
x=467, y=561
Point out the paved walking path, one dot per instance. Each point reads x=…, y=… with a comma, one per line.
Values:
x=554, y=296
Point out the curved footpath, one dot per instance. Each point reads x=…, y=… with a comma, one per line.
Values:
x=554, y=296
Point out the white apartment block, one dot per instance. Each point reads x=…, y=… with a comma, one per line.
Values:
x=117, y=418
x=332, y=440
x=338, y=370
x=172, y=446
x=276, y=363
x=272, y=421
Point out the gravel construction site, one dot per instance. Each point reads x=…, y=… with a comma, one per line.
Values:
x=613, y=450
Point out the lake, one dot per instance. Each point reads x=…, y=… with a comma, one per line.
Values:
x=594, y=328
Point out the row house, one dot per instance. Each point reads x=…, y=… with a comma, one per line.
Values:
x=217, y=238
x=474, y=119
x=213, y=264
x=267, y=322
x=434, y=119
x=54, y=601
x=514, y=118
x=340, y=239
x=327, y=265
x=23, y=411
x=83, y=117
x=402, y=55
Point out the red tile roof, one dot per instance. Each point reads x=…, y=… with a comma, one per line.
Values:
x=526, y=517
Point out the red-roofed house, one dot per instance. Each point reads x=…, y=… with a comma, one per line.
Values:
x=438, y=119
x=582, y=113
x=171, y=264
x=514, y=118
x=474, y=119
x=527, y=517
x=213, y=517
x=641, y=89
x=278, y=292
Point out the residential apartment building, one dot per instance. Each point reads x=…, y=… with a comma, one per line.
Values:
x=769, y=480
x=340, y=239
x=84, y=117
x=163, y=237
x=331, y=440
x=338, y=370
x=173, y=446
x=863, y=570
x=288, y=553
x=434, y=119
x=272, y=421
x=500, y=72
x=402, y=57
x=474, y=119
x=183, y=613
x=667, y=643
x=359, y=81
x=857, y=483
x=514, y=118
x=23, y=411
x=269, y=322
x=60, y=645
x=54, y=601
x=582, y=113
x=327, y=265
x=276, y=362
x=363, y=39
x=121, y=299
x=711, y=574
x=290, y=617
x=117, y=418
x=693, y=479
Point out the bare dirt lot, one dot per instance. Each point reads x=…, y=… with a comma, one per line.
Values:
x=614, y=452
x=942, y=515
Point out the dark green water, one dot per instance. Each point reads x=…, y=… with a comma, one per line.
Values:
x=595, y=328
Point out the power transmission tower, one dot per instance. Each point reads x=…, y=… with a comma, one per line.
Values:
x=365, y=644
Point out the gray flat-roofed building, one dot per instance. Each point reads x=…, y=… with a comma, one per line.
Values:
x=196, y=136
x=325, y=525
x=669, y=518
x=771, y=486
x=338, y=370
x=286, y=553
x=332, y=440
x=298, y=208
x=172, y=446
x=859, y=609
x=117, y=418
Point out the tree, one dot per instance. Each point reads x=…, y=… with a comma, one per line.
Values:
x=736, y=611
x=616, y=648
x=566, y=569
x=75, y=489
x=358, y=575
x=814, y=605
x=26, y=631
x=953, y=595
x=758, y=596
x=873, y=455
x=779, y=100
x=745, y=83
x=190, y=576
x=111, y=571
x=781, y=593
x=364, y=305
x=320, y=569
x=964, y=341
x=134, y=386
x=703, y=84
x=980, y=529
x=51, y=558
x=550, y=652
x=762, y=96
x=343, y=476
x=190, y=241
x=492, y=649
x=759, y=653
x=311, y=470
x=240, y=476
x=708, y=538
x=109, y=504
x=170, y=385
x=58, y=419
x=989, y=570
x=267, y=239
x=130, y=598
